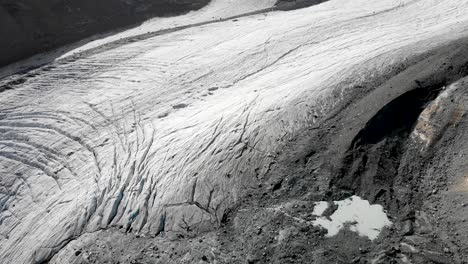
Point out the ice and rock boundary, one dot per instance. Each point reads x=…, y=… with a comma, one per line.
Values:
x=179, y=134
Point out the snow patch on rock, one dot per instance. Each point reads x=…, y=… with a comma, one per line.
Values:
x=320, y=208
x=354, y=213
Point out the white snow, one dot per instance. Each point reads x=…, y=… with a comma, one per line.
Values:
x=215, y=10
x=356, y=214
x=320, y=208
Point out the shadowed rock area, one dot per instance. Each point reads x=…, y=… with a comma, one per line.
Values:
x=29, y=27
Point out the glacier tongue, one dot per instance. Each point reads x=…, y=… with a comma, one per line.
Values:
x=164, y=134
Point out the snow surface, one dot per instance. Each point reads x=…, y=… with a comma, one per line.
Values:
x=215, y=10
x=356, y=214
x=320, y=208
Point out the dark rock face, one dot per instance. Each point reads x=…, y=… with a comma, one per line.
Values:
x=28, y=27
x=296, y=4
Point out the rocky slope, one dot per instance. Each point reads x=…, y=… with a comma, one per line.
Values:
x=181, y=147
x=29, y=27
